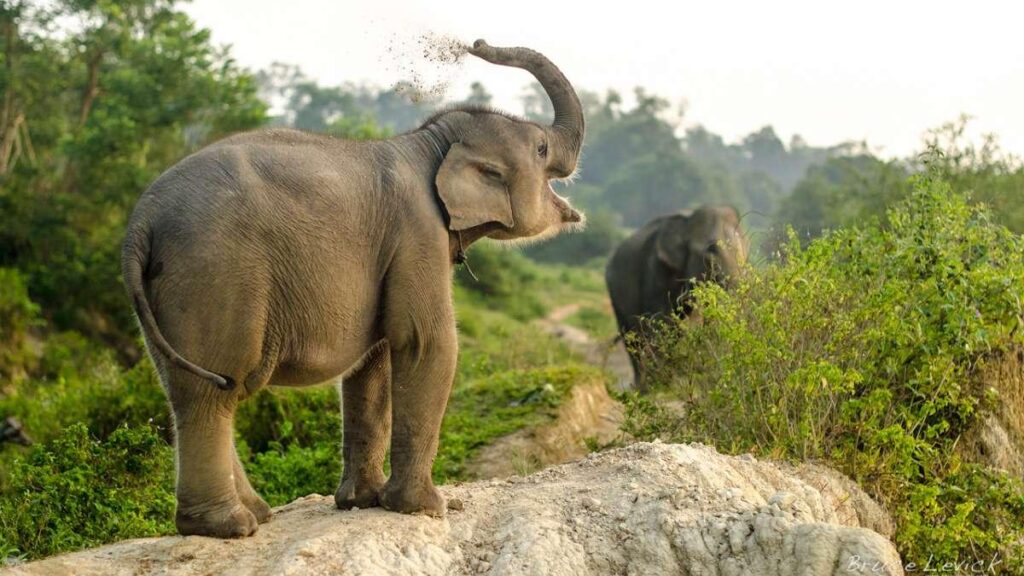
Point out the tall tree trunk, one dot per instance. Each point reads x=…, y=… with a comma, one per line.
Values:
x=9, y=119
x=7, y=143
x=92, y=87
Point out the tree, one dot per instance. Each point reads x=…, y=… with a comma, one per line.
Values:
x=109, y=95
x=843, y=190
x=478, y=96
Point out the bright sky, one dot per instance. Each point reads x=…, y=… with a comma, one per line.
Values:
x=881, y=71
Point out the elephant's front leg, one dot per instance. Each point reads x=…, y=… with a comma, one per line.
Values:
x=366, y=407
x=424, y=349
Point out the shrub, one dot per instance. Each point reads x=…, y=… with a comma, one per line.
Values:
x=861, y=350
x=88, y=388
x=291, y=442
x=75, y=491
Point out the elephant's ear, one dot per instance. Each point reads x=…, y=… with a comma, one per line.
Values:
x=470, y=195
x=671, y=245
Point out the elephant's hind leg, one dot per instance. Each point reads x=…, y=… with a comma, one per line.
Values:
x=208, y=500
x=258, y=506
x=366, y=406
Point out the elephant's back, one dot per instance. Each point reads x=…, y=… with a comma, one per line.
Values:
x=631, y=255
x=627, y=271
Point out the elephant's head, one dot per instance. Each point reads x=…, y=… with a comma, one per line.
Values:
x=706, y=244
x=498, y=168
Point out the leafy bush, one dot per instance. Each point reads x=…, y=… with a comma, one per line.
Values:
x=76, y=491
x=861, y=350
x=291, y=442
x=100, y=394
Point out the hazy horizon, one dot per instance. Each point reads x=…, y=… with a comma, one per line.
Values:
x=878, y=72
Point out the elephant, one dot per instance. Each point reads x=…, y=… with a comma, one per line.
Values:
x=651, y=273
x=279, y=257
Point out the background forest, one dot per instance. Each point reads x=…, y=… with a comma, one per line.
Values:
x=99, y=97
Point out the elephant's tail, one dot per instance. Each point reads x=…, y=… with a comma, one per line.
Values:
x=134, y=261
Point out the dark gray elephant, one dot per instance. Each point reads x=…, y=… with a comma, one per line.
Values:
x=651, y=272
x=284, y=258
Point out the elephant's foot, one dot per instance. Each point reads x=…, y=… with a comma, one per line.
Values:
x=258, y=506
x=229, y=520
x=359, y=492
x=413, y=498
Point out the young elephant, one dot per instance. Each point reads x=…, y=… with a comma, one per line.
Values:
x=651, y=272
x=286, y=258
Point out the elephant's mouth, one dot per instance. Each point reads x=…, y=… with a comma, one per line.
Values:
x=566, y=212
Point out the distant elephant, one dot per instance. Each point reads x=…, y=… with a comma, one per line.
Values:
x=651, y=273
x=279, y=257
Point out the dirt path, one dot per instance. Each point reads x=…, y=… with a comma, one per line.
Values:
x=605, y=355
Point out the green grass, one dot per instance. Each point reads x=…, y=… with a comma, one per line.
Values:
x=598, y=322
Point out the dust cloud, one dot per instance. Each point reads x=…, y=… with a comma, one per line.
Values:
x=429, y=63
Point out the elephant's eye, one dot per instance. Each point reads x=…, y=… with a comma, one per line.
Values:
x=491, y=174
x=542, y=149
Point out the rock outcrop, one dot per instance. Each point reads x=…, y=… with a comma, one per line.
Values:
x=997, y=438
x=645, y=509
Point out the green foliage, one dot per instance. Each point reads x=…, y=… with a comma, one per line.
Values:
x=502, y=278
x=966, y=515
x=97, y=393
x=861, y=350
x=637, y=168
x=843, y=190
x=290, y=440
x=856, y=186
x=17, y=314
x=100, y=97
x=76, y=491
x=288, y=471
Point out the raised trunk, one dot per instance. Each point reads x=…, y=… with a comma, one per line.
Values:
x=569, y=125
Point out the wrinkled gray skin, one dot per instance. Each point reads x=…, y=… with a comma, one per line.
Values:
x=286, y=258
x=651, y=272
